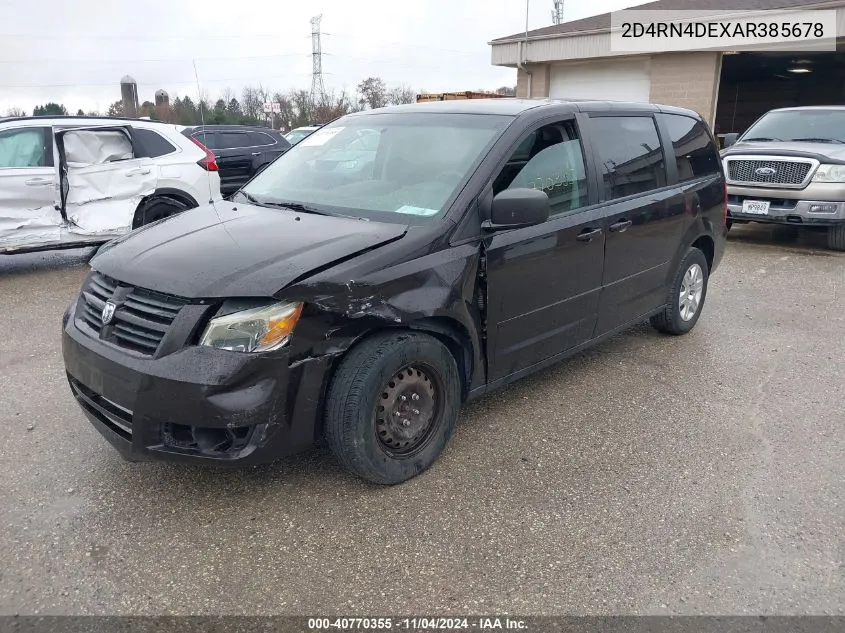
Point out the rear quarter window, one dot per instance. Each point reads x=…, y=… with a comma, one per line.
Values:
x=256, y=139
x=695, y=152
x=150, y=144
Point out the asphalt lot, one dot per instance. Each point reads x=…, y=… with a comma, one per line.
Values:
x=651, y=475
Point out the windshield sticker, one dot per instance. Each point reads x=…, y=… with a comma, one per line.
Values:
x=409, y=210
x=321, y=137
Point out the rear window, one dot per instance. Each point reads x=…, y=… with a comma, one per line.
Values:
x=150, y=144
x=631, y=157
x=695, y=152
x=210, y=139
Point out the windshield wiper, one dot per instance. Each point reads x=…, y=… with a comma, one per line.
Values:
x=761, y=138
x=817, y=140
x=249, y=197
x=295, y=206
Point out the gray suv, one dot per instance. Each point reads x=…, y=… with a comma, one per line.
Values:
x=789, y=168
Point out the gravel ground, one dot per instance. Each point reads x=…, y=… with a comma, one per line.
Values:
x=650, y=475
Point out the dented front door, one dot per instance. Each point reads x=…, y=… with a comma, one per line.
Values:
x=29, y=199
x=103, y=181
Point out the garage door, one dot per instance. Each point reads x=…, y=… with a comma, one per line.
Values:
x=621, y=80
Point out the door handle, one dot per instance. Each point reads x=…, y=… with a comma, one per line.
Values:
x=587, y=235
x=622, y=225
x=137, y=172
x=256, y=153
x=38, y=182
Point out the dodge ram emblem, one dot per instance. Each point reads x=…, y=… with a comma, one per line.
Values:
x=108, y=312
x=765, y=171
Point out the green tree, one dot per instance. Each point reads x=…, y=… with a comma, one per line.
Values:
x=188, y=116
x=50, y=109
x=220, y=116
x=115, y=109
x=233, y=111
x=80, y=112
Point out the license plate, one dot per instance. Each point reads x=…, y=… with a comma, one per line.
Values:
x=755, y=207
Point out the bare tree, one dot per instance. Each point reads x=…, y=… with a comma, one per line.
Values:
x=507, y=91
x=372, y=93
x=286, y=114
x=252, y=103
x=15, y=112
x=304, y=108
x=331, y=106
x=400, y=95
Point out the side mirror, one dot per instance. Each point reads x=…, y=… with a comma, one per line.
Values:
x=730, y=139
x=513, y=208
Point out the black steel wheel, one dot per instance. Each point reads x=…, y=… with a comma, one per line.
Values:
x=392, y=406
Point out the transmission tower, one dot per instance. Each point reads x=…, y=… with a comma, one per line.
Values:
x=557, y=12
x=317, y=88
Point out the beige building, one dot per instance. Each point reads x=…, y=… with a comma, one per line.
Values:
x=730, y=90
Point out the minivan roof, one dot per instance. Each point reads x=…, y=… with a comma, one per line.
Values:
x=515, y=107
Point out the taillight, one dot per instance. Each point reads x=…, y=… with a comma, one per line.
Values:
x=209, y=163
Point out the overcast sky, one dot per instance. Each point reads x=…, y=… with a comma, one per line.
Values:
x=75, y=52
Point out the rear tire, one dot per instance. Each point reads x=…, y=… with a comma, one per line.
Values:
x=687, y=293
x=156, y=209
x=392, y=406
x=836, y=237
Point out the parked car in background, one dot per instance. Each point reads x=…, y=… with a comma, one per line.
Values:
x=297, y=134
x=789, y=168
x=242, y=151
x=488, y=240
x=78, y=181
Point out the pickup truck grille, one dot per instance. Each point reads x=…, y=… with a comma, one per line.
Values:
x=141, y=318
x=774, y=172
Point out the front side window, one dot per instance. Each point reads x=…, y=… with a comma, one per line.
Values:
x=630, y=156
x=695, y=153
x=549, y=159
x=391, y=167
x=24, y=147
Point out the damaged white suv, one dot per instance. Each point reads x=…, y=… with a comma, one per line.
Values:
x=68, y=182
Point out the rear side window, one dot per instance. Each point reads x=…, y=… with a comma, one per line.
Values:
x=630, y=156
x=260, y=138
x=231, y=140
x=695, y=152
x=151, y=144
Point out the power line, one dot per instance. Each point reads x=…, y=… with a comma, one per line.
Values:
x=152, y=83
x=141, y=61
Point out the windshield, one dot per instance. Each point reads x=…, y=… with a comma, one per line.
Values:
x=817, y=126
x=391, y=167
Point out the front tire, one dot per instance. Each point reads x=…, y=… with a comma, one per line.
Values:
x=686, y=295
x=836, y=237
x=392, y=406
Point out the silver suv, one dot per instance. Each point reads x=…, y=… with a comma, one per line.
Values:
x=789, y=168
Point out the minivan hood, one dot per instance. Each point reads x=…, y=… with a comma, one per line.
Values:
x=236, y=250
x=820, y=151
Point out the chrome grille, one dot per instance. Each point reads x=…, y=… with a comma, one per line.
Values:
x=141, y=319
x=784, y=172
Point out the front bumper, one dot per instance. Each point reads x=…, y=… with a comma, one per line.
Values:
x=196, y=404
x=784, y=209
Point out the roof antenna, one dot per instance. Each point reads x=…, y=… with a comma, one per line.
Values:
x=202, y=121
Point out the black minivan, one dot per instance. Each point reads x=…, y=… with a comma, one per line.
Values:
x=390, y=267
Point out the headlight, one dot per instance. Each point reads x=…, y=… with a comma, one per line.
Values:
x=256, y=330
x=830, y=173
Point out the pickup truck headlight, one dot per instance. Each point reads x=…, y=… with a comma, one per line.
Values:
x=830, y=173
x=257, y=330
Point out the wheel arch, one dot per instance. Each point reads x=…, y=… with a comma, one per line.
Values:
x=178, y=197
